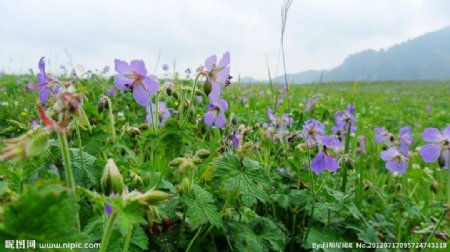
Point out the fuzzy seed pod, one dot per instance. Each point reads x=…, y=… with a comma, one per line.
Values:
x=207, y=87
x=203, y=153
x=112, y=180
x=441, y=161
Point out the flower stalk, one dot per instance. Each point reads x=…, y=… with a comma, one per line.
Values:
x=107, y=233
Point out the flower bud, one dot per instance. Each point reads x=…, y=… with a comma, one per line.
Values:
x=103, y=104
x=434, y=186
x=441, y=161
x=207, y=87
x=184, y=185
x=348, y=162
x=152, y=198
x=112, y=180
x=186, y=165
x=176, y=162
x=28, y=145
x=203, y=153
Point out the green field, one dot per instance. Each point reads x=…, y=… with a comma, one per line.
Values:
x=259, y=196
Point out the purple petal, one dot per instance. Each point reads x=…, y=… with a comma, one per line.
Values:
x=389, y=154
x=404, y=148
x=141, y=95
x=223, y=74
x=405, y=130
x=209, y=62
x=42, y=78
x=215, y=91
x=432, y=135
x=318, y=163
x=209, y=117
x=44, y=93
x=350, y=109
x=397, y=165
x=223, y=105
x=120, y=81
x=151, y=85
x=446, y=132
x=331, y=163
x=332, y=142
x=225, y=60
x=221, y=120
x=430, y=152
x=121, y=66
x=41, y=64
x=138, y=66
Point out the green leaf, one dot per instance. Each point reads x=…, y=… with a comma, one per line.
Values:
x=260, y=234
x=200, y=208
x=85, y=171
x=45, y=214
x=248, y=178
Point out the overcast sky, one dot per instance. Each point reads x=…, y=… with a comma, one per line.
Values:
x=319, y=33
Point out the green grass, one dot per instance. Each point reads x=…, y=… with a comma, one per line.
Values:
x=233, y=200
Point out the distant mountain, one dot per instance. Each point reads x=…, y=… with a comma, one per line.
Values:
x=423, y=58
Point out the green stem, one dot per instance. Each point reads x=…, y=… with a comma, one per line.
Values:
x=152, y=114
x=294, y=221
x=128, y=239
x=184, y=121
x=65, y=155
x=80, y=148
x=111, y=119
x=345, y=168
x=193, y=239
x=107, y=233
x=435, y=228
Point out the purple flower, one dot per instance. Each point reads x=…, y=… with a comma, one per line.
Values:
x=395, y=161
x=361, y=149
x=235, y=139
x=110, y=91
x=165, y=67
x=217, y=72
x=188, y=71
x=384, y=136
x=34, y=123
x=311, y=129
x=244, y=100
x=134, y=78
x=429, y=109
x=216, y=113
x=163, y=113
x=105, y=70
x=43, y=81
x=278, y=127
x=323, y=160
x=405, y=139
x=344, y=120
x=54, y=168
x=108, y=209
x=438, y=147
x=199, y=99
x=312, y=101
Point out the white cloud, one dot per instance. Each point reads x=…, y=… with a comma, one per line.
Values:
x=320, y=33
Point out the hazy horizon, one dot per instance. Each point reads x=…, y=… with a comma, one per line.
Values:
x=95, y=33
